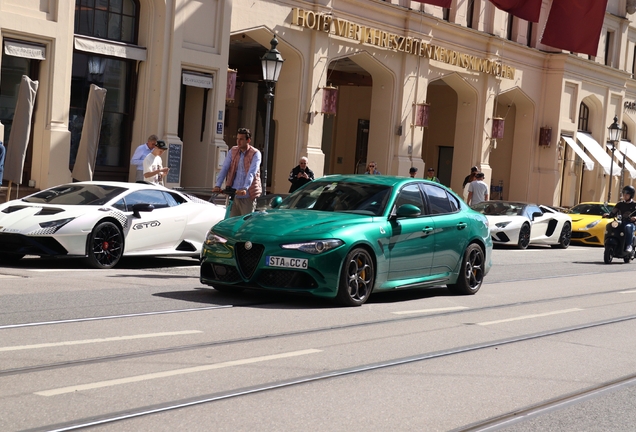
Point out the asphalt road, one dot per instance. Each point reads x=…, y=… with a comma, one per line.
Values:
x=546, y=344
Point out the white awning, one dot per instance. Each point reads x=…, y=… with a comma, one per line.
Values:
x=110, y=48
x=597, y=152
x=24, y=50
x=589, y=163
x=629, y=150
x=195, y=79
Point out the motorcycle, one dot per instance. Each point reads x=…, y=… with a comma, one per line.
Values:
x=615, y=241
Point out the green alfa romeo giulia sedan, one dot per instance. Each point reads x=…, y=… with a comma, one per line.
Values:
x=344, y=237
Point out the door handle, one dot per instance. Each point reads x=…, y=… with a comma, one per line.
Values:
x=427, y=230
x=461, y=225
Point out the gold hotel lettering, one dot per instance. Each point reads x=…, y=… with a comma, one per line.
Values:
x=382, y=39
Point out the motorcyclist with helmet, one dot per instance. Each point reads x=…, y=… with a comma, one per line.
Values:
x=627, y=209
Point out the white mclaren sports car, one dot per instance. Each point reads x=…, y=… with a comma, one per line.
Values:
x=523, y=224
x=103, y=221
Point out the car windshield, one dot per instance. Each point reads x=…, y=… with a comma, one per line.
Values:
x=351, y=197
x=591, y=209
x=76, y=194
x=496, y=208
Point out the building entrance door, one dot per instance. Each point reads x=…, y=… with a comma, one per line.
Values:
x=445, y=165
x=362, y=145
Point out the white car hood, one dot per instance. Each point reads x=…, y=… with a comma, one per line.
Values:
x=25, y=218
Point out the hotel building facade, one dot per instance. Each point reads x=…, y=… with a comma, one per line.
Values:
x=417, y=85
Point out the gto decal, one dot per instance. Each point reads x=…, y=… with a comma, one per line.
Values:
x=142, y=225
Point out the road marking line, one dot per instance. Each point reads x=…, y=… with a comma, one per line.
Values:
x=60, y=270
x=89, y=341
x=627, y=292
x=109, y=383
x=430, y=310
x=529, y=316
x=8, y=276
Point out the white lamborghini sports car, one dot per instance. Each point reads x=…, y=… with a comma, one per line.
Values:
x=523, y=224
x=103, y=221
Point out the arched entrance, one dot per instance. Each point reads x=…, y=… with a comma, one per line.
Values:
x=449, y=143
x=248, y=109
x=360, y=132
x=511, y=159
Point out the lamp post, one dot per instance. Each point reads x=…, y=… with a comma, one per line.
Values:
x=272, y=62
x=614, y=135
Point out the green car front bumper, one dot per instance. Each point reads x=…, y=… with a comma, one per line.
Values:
x=245, y=265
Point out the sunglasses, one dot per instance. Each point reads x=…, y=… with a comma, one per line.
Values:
x=371, y=166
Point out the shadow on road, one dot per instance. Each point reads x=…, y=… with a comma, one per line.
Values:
x=275, y=300
x=126, y=263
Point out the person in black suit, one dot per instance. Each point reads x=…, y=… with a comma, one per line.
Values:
x=300, y=175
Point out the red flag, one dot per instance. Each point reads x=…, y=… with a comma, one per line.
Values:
x=575, y=25
x=443, y=3
x=528, y=10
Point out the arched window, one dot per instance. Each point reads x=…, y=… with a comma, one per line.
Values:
x=624, y=132
x=107, y=20
x=584, y=117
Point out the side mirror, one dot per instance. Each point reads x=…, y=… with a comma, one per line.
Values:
x=408, y=211
x=141, y=208
x=536, y=215
x=275, y=202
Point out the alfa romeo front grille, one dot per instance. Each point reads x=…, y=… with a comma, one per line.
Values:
x=248, y=258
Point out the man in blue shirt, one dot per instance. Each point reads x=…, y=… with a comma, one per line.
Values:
x=140, y=154
x=241, y=171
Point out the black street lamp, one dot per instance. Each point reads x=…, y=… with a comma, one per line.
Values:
x=272, y=62
x=614, y=135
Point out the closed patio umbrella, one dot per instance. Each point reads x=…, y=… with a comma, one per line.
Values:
x=84, y=167
x=20, y=132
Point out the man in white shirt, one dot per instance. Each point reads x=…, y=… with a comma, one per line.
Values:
x=477, y=190
x=154, y=171
x=140, y=154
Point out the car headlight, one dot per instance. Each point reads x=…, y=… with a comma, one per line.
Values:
x=592, y=224
x=502, y=224
x=212, y=239
x=57, y=224
x=315, y=246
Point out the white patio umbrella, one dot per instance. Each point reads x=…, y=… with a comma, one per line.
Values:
x=84, y=167
x=20, y=132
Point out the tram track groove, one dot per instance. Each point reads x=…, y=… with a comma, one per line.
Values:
x=203, y=399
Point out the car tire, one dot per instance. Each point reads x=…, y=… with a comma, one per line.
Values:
x=524, y=236
x=608, y=255
x=356, y=278
x=105, y=245
x=471, y=274
x=564, y=237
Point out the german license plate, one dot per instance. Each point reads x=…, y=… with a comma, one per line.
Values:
x=276, y=261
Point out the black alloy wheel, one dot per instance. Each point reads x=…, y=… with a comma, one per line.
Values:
x=471, y=274
x=565, y=237
x=356, y=278
x=524, y=236
x=105, y=246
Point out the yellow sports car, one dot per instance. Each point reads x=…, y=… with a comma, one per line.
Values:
x=588, y=225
